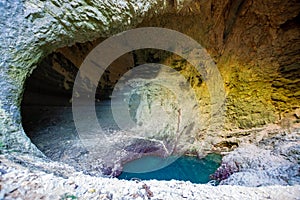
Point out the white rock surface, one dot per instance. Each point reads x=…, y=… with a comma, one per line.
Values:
x=272, y=161
x=18, y=182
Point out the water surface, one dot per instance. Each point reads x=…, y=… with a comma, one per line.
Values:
x=185, y=168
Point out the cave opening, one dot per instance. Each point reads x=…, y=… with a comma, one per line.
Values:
x=48, y=120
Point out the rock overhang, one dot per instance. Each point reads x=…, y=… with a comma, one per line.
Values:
x=37, y=28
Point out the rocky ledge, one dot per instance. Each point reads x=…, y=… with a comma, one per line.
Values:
x=264, y=169
x=18, y=182
x=274, y=160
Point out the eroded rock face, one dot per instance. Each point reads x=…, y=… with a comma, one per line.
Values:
x=272, y=161
x=32, y=29
x=251, y=44
x=254, y=44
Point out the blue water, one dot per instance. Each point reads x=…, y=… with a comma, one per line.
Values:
x=185, y=168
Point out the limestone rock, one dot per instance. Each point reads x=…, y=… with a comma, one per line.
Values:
x=22, y=183
x=255, y=45
x=274, y=162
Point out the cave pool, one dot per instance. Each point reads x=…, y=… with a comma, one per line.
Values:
x=185, y=168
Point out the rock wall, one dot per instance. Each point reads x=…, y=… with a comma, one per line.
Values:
x=255, y=45
x=32, y=29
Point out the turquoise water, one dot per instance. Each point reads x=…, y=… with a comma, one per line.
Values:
x=184, y=168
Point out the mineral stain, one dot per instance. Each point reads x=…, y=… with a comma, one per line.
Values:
x=185, y=168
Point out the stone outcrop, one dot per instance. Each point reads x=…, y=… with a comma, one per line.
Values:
x=271, y=161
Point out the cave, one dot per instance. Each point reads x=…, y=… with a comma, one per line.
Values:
x=93, y=86
x=48, y=120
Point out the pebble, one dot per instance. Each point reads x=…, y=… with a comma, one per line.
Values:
x=91, y=190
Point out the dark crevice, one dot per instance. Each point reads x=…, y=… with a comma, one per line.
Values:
x=291, y=24
x=232, y=11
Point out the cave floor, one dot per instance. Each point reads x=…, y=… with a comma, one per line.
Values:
x=272, y=159
x=52, y=130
